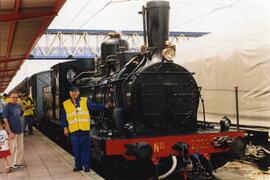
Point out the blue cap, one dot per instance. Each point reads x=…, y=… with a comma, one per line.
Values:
x=73, y=88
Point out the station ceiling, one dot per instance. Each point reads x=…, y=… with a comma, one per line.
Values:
x=22, y=23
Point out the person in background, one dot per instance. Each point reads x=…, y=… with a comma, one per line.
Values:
x=4, y=149
x=75, y=120
x=12, y=115
x=6, y=98
x=28, y=113
x=20, y=99
x=2, y=104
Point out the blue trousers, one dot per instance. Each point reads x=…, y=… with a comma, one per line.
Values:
x=28, y=124
x=80, y=141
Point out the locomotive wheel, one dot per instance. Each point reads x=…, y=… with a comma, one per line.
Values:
x=219, y=160
x=238, y=147
x=264, y=163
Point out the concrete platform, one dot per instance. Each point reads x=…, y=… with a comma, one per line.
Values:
x=241, y=171
x=45, y=160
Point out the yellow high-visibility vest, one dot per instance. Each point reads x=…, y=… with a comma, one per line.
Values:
x=20, y=102
x=27, y=112
x=7, y=100
x=77, y=118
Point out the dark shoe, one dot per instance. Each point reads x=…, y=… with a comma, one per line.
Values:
x=16, y=166
x=31, y=134
x=86, y=169
x=77, y=169
x=19, y=165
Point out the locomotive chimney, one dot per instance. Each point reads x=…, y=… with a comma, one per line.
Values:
x=157, y=16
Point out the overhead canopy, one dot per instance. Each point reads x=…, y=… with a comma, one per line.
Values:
x=22, y=22
x=237, y=57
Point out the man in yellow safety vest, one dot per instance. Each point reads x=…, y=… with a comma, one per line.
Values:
x=75, y=119
x=28, y=113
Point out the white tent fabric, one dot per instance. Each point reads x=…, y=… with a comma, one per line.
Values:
x=222, y=60
x=185, y=15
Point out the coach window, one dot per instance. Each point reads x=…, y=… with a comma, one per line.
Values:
x=70, y=75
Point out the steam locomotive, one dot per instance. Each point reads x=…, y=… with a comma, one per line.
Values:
x=152, y=120
x=151, y=125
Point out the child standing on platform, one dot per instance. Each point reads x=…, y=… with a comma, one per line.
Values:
x=4, y=149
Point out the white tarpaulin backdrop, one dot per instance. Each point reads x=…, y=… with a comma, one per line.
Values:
x=222, y=60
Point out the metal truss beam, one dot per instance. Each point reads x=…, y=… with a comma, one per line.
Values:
x=69, y=44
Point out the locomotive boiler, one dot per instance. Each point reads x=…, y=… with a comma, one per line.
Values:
x=151, y=121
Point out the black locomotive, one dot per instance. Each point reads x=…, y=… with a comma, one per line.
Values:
x=151, y=124
x=152, y=120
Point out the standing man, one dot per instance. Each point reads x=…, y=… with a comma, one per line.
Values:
x=12, y=115
x=75, y=120
x=28, y=113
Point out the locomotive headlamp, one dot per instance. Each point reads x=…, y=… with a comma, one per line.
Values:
x=168, y=53
x=225, y=123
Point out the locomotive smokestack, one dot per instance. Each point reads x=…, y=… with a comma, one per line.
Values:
x=157, y=15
